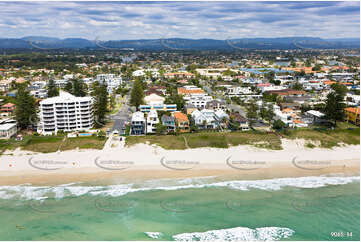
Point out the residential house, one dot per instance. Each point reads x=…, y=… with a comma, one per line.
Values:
x=353, y=115
x=195, y=96
x=152, y=121
x=185, y=75
x=169, y=122
x=7, y=109
x=5, y=85
x=314, y=117
x=236, y=91
x=7, y=130
x=154, y=99
x=182, y=121
x=240, y=121
x=221, y=117
x=205, y=119
x=189, y=108
x=110, y=80
x=61, y=83
x=216, y=104
x=138, y=124
x=288, y=92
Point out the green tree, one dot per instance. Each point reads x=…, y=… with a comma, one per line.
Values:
x=100, y=96
x=176, y=99
x=263, y=112
x=161, y=129
x=25, y=112
x=298, y=86
x=270, y=113
x=52, y=90
x=252, y=114
x=278, y=124
x=69, y=86
x=137, y=94
x=334, y=108
x=78, y=88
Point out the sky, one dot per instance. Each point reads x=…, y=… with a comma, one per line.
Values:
x=150, y=20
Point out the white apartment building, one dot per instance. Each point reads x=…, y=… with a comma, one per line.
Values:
x=152, y=121
x=236, y=91
x=65, y=112
x=60, y=83
x=198, y=100
x=110, y=80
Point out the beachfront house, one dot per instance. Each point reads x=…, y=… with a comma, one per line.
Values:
x=182, y=121
x=138, y=124
x=205, y=119
x=353, y=115
x=238, y=121
x=152, y=121
x=314, y=117
x=169, y=122
x=7, y=130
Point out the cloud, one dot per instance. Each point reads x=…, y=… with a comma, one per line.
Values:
x=220, y=20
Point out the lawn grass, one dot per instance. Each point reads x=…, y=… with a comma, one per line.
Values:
x=47, y=144
x=171, y=142
x=210, y=139
x=198, y=140
x=90, y=142
x=257, y=139
x=43, y=144
x=327, y=138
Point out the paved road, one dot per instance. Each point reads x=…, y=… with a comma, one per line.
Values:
x=121, y=117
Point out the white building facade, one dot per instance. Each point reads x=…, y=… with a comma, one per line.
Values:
x=66, y=113
x=110, y=80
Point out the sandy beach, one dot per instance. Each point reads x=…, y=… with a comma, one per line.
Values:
x=142, y=162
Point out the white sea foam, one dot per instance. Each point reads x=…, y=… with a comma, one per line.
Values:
x=238, y=234
x=154, y=235
x=33, y=192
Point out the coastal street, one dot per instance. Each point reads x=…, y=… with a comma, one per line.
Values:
x=121, y=118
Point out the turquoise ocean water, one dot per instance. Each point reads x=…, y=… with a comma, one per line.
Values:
x=309, y=208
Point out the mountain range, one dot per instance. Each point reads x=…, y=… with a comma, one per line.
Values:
x=40, y=42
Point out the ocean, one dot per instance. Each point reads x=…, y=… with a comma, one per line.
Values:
x=306, y=208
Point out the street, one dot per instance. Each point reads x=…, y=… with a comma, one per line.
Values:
x=121, y=117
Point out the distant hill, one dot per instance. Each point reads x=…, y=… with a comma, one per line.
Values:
x=40, y=42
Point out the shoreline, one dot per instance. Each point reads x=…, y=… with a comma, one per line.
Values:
x=147, y=162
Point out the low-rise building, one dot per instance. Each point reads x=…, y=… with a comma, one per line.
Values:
x=169, y=122
x=152, y=121
x=182, y=121
x=110, y=80
x=189, y=108
x=236, y=91
x=158, y=107
x=7, y=130
x=239, y=121
x=353, y=115
x=217, y=104
x=138, y=124
x=314, y=117
x=205, y=119
x=7, y=109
